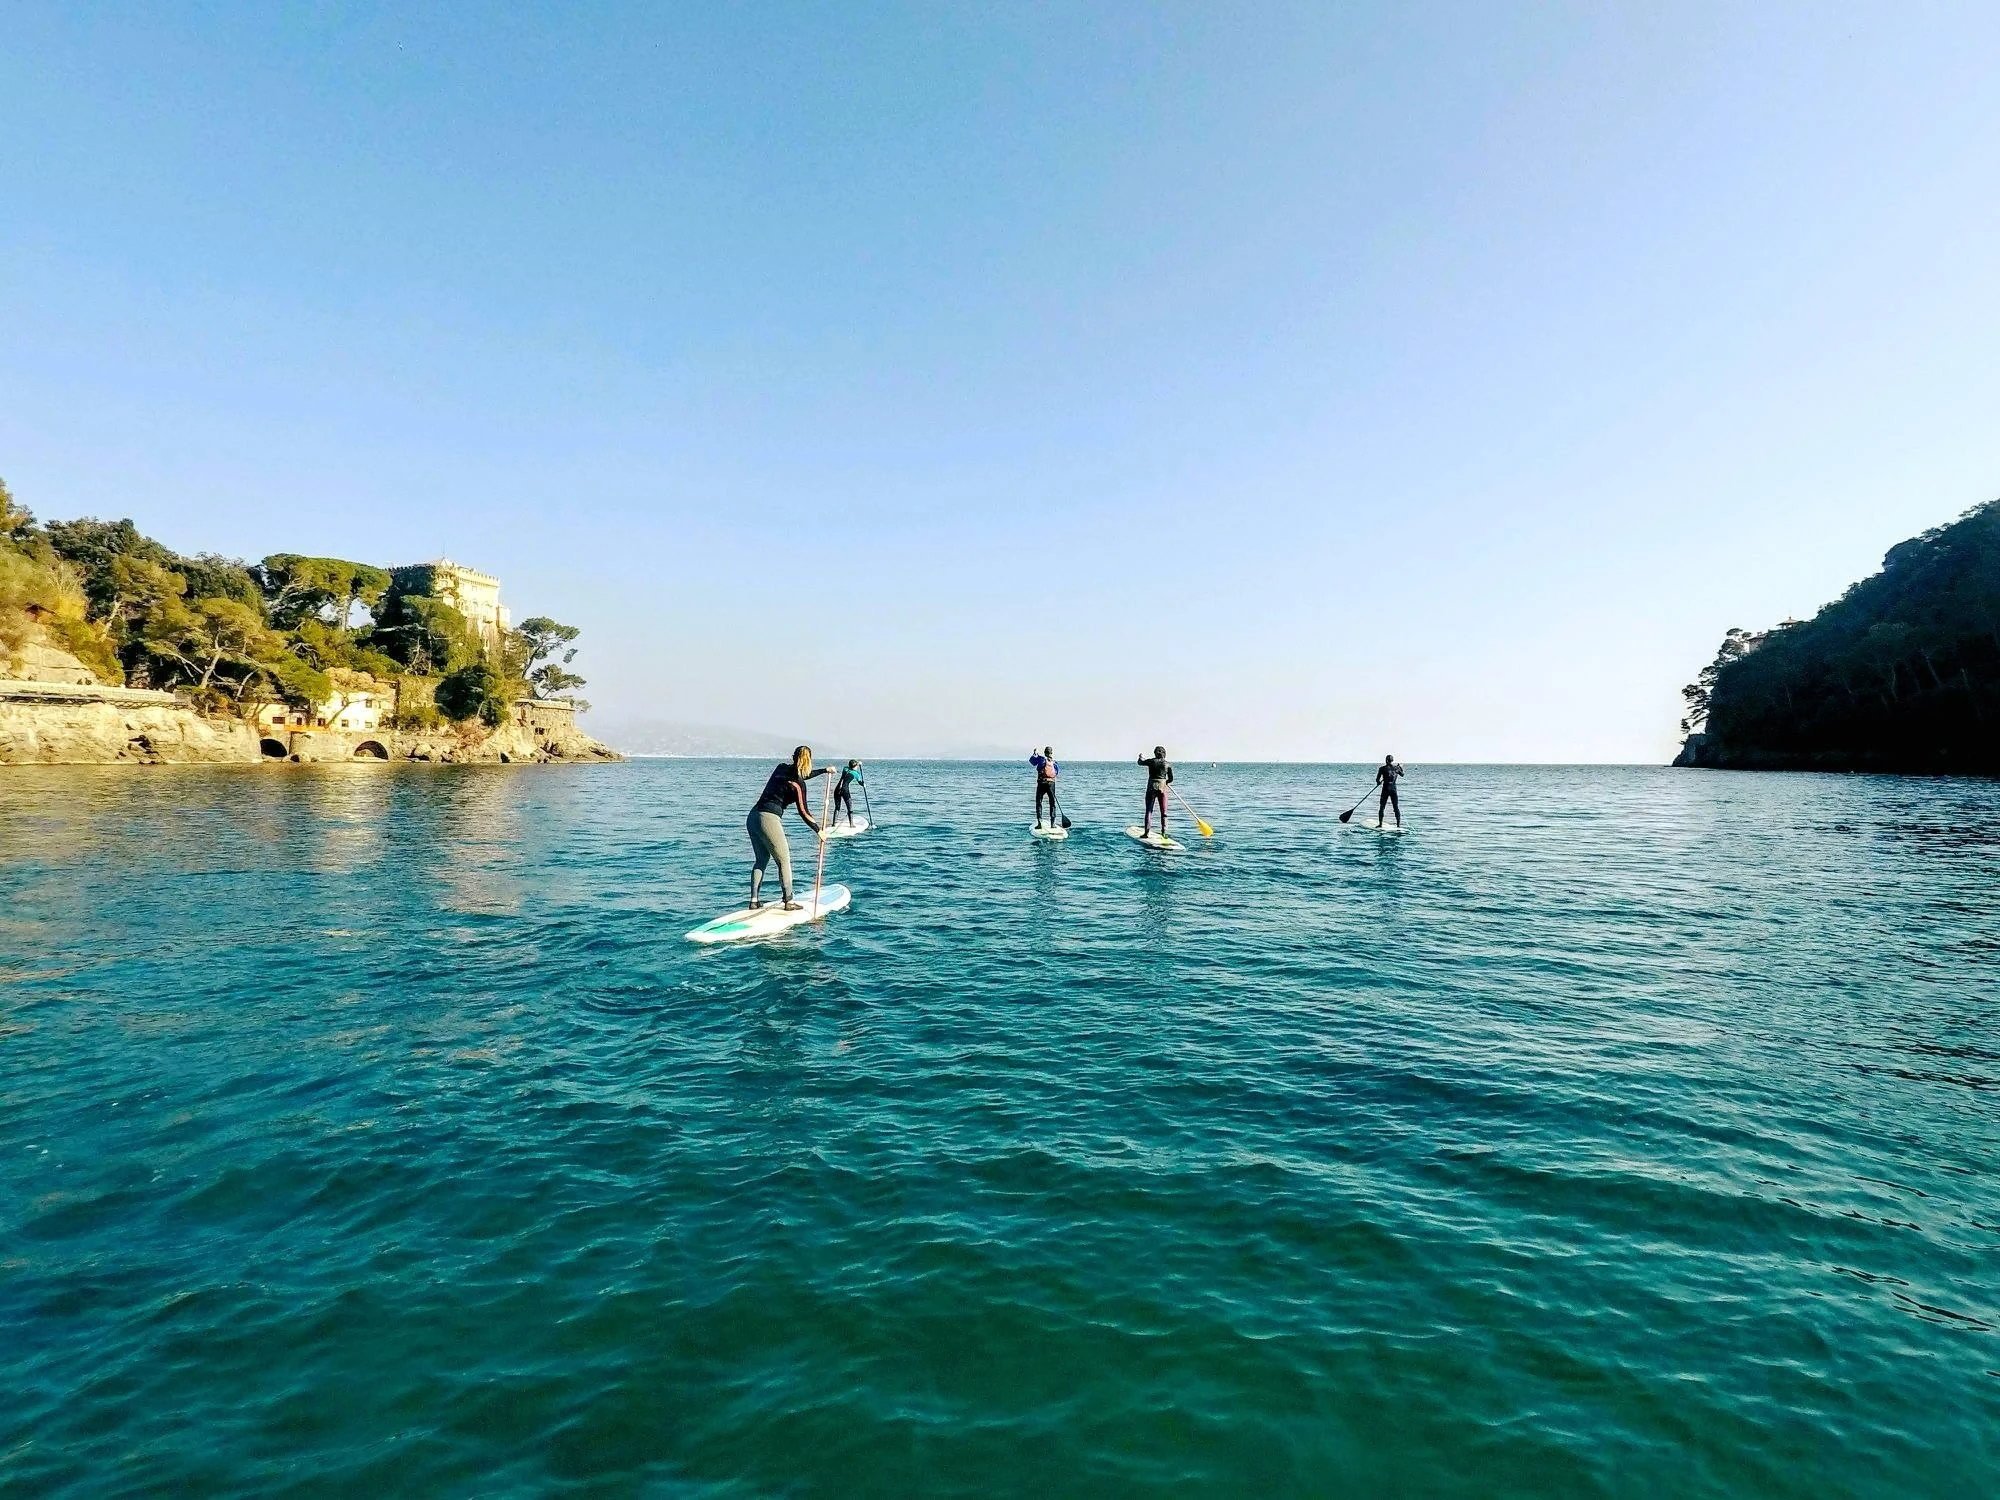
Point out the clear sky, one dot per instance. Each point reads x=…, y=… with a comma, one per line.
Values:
x=1275, y=381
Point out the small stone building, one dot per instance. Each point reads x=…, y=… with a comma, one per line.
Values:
x=547, y=720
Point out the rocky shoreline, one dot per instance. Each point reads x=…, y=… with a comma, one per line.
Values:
x=78, y=724
x=1704, y=752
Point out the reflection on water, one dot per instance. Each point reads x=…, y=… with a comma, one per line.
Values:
x=477, y=845
x=342, y=815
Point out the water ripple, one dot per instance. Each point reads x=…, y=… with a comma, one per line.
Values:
x=1612, y=1131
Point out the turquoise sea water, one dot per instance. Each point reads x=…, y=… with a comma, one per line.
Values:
x=372, y=1131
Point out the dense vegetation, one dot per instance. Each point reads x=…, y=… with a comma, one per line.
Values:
x=235, y=634
x=1902, y=672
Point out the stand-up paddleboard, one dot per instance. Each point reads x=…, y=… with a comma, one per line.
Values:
x=1381, y=828
x=1152, y=840
x=1050, y=831
x=771, y=918
x=848, y=830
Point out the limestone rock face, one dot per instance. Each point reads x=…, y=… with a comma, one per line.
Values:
x=52, y=731
x=78, y=724
x=38, y=661
x=521, y=741
x=1695, y=751
x=511, y=743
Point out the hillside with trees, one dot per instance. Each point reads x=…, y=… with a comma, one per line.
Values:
x=1901, y=673
x=232, y=635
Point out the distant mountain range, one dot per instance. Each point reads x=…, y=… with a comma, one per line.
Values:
x=665, y=737
x=671, y=737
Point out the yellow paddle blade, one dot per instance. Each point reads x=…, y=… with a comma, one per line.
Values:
x=1206, y=831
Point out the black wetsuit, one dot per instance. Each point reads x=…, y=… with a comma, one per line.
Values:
x=778, y=796
x=1159, y=776
x=843, y=795
x=1387, y=775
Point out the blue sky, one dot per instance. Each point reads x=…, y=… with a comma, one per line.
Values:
x=1291, y=382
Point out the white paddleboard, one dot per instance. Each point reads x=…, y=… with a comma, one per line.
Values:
x=1050, y=831
x=1385, y=828
x=846, y=830
x=1152, y=840
x=771, y=918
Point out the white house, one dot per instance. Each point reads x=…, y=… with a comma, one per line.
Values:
x=355, y=708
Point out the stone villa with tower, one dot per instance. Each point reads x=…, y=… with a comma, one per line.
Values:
x=473, y=594
x=54, y=710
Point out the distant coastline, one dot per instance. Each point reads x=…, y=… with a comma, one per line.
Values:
x=654, y=739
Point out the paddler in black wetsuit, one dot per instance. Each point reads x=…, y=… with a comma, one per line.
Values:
x=1386, y=775
x=1046, y=770
x=843, y=795
x=1159, y=776
x=786, y=789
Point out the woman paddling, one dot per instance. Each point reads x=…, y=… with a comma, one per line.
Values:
x=1159, y=776
x=786, y=789
x=843, y=795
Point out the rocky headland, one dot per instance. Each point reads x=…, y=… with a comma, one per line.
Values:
x=1900, y=674
x=115, y=649
x=64, y=718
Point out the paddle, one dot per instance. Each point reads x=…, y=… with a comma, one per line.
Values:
x=819, y=874
x=867, y=805
x=1206, y=831
x=1060, y=814
x=1349, y=814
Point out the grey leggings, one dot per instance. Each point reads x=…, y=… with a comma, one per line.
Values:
x=767, y=841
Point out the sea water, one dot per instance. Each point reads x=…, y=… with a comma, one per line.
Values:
x=373, y=1131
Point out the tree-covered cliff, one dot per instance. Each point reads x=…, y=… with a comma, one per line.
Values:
x=1901, y=673
x=233, y=634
